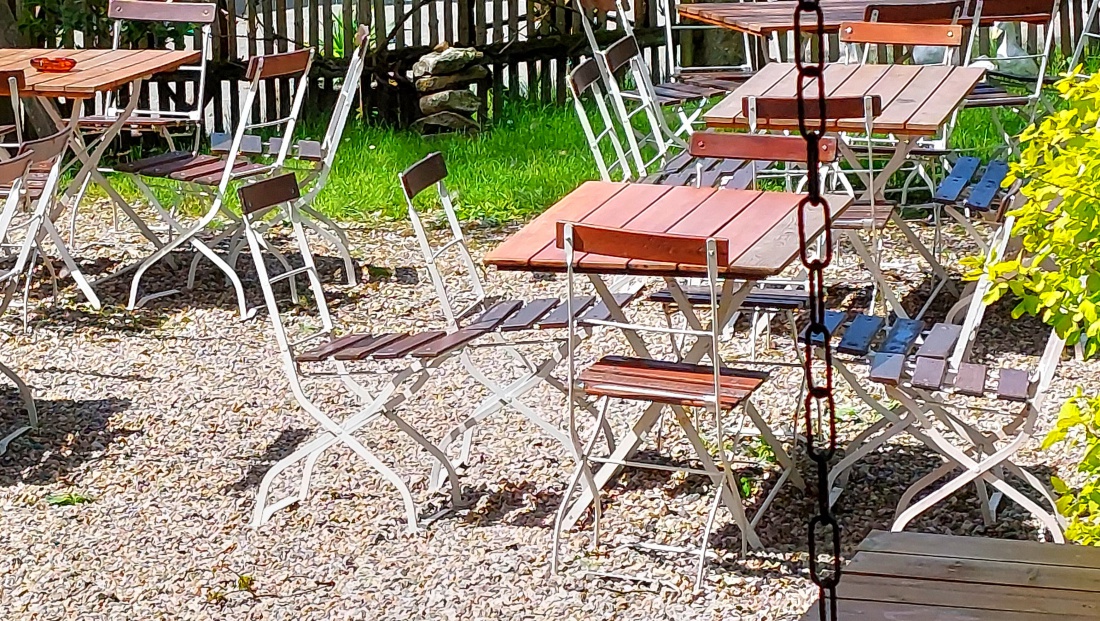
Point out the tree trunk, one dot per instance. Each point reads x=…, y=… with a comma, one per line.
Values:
x=37, y=118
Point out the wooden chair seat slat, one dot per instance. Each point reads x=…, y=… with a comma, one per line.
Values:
x=887, y=368
x=860, y=334
x=155, y=160
x=361, y=350
x=399, y=348
x=940, y=341
x=167, y=168
x=321, y=352
x=928, y=373
x=981, y=197
x=970, y=379
x=529, y=315
x=600, y=312
x=240, y=170
x=495, y=315
x=1013, y=385
x=446, y=344
x=902, y=336
x=949, y=191
x=833, y=320
x=559, y=317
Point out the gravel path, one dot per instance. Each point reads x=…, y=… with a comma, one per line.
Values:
x=165, y=419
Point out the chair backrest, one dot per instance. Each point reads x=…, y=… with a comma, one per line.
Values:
x=758, y=147
x=624, y=57
x=47, y=149
x=13, y=173
x=14, y=80
x=1017, y=12
x=786, y=108
x=294, y=65
x=903, y=39
x=584, y=83
x=14, y=169
x=457, y=301
x=202, y=13
x=916, y=13
x=256, y=199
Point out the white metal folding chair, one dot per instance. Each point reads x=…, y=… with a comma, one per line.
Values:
x=398, y=358
x=992, y=92
x=715, y=388
x=13, y=174
x=161, y=119
x=724, y=77
x=468, y=312
x=208, y=177
x=1088, y=32
x=14, y=81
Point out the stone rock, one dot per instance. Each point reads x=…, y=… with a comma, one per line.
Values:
x=445, y=120
x=431, y=83
x=450, y=101
x=450, y=60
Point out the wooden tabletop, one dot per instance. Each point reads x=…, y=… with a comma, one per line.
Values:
x=761, y=227
x=762, y=18
x=914, y=576
x=916, y=99
x=96, y=71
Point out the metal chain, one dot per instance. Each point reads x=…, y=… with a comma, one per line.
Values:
x=810, y=61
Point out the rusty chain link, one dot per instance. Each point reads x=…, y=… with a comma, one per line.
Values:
x=810, y=62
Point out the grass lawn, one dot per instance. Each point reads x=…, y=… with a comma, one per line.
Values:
x=532, y=156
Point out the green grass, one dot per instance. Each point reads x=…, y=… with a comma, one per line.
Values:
x=532, y=156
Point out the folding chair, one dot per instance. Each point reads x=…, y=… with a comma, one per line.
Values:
x=686, y=100
x=726, y=77
x=208, y=177
x=531, y=322
x=992, y=92
x=404, y=360
x=678, y=385
x=1087, y=32
x=188, y=115
x=13, y=173
x=15, y=81
x=606, y=140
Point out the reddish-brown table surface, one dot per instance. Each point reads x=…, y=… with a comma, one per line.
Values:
x=762, y=18
x=916, y=99
x=96, y=71
x=923, y=577
x=762, y=228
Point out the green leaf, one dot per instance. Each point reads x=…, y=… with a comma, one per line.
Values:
x=68, y=499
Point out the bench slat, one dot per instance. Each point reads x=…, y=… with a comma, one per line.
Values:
x=495, y=315
x=887, y=368
x=940, y=341
x=970, y=380
x=859, y=335
x=559, y=317
x=902, y=336
x=928, y=373
x=1013, y=385
x=527, y=316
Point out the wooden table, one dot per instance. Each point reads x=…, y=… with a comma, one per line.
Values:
x=96, y=71
x=917, y=100
x=762, y=231
x=918, y=577
x=761, y=227
x=765, y=18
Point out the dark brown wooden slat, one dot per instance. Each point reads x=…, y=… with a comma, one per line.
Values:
x=202, y=170
x=940, y=341
x=403, y=346
x=239, y=170
x=859, y=335
x=1013, y=385
x=887, y=368
x=164, y=158
x=528, y=316
x=601, y=312
x=252, y=145
x=982, y=549
x=322, y=352
x=559, y=317
x=928, y=373
x=902, y=336
x=364, y=349
x=448, y=343
x=277, y=65
x=970, y=379
x=165, y=169
x=495, y=315
x=310, y=150
x=268, y=193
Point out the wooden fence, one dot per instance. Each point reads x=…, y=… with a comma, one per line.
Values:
x=529, y=46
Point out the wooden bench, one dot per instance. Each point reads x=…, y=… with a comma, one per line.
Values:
x=921, y=577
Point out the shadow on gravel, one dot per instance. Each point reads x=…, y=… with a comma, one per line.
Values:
x=869, y=502
x=71, y=434
x=285, y=444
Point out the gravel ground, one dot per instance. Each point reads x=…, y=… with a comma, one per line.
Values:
x=165, y=419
